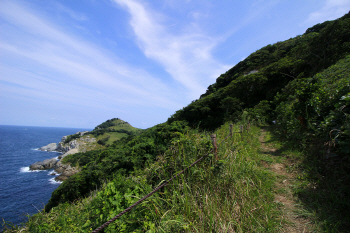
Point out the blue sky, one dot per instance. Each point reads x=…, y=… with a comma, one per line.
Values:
x=78, y=63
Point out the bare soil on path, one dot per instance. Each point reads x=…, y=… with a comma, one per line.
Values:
x=291, y=222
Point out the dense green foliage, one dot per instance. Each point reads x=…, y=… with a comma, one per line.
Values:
x=71, y=137
x=114, y=125
x=317, y=109
x=108, y=123
x=103, y=140
x=267, y=71
x=305, y=67
x=113, y=130
x=121, y=158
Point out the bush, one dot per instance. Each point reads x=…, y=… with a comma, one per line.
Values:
x=71, y=138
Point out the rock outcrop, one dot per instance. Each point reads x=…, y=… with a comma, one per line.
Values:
x=82, y=133
x=69, y=152
x=67, y=172
x=61, y=167
x=74, y=144
x=79, y=144
x=50, y=147
x=43, y=165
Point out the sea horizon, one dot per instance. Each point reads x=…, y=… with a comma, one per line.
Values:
x=86, y=129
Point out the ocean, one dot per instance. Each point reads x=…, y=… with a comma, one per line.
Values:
x=24, y=192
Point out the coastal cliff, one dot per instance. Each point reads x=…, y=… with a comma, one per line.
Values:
x=67, y=146
x=101, y=137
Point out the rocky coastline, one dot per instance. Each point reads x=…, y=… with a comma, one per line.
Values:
x=66, y=148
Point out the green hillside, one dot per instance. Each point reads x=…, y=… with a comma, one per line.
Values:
x=292, y=99
x=256, y=80
x=104, y=135
x=301, y=82
x=113, y=130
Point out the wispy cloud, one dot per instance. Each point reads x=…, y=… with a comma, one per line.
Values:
x=70, y=63
x=186, y=56
x=74, y=15
x=331, y=10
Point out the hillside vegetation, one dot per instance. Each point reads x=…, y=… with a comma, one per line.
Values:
x=110, y=131
x=113, y=130
x=300, y=86
x=102, y=136
x=283, y=85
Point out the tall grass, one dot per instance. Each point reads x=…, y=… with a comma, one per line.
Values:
x=233, y=194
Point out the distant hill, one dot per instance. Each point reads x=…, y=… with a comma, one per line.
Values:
x=104, y=135
x=113, y=130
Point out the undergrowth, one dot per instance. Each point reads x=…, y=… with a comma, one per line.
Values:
x=321, y=184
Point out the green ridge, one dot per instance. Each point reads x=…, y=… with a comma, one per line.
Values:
x=113, y=130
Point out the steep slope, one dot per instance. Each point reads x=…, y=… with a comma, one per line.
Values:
x=266, y=72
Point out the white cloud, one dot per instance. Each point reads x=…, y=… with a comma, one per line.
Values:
x=74, y=15
x=331, y=10
x=72, y=66
x=187, y=56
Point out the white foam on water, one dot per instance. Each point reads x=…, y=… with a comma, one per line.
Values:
x=52, y=173
x=26, y=169
x=53, y=181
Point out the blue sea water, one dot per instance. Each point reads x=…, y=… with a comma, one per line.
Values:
x=24, y=192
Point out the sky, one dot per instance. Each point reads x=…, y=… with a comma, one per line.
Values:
x=78, y=63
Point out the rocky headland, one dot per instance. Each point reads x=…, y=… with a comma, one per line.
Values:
x=66, y=147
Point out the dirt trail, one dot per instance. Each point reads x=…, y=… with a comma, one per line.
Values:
x=284, y=194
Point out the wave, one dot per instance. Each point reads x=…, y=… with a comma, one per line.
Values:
x=53, y=181
x=38, y=149
x=26, y=169
x=53, y=173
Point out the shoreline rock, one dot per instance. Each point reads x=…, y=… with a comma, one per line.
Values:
x=65, y=170
x=68, y=171
x=49, y=147
x=43, y=165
